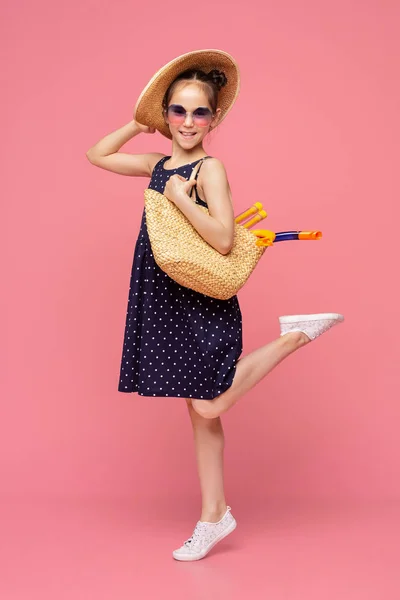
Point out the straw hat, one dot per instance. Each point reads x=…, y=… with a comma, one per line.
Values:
x=148, y=108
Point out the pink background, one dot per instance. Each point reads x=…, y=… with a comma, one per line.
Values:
x=314, y=135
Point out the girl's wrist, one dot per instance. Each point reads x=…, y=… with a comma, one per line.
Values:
x=183, y=200
x=134, y=127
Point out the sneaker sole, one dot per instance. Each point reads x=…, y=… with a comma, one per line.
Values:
x=316, y=317
x=222, y=535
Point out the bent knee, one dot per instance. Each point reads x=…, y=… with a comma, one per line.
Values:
x=205, y=408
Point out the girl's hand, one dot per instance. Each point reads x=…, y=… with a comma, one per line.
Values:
x=178, y=187
x=144, y=128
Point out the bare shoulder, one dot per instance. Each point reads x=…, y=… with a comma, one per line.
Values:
x=212, y=172
x=214, y=165
x=214, y=189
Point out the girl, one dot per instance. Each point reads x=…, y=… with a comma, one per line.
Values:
x=177, y=342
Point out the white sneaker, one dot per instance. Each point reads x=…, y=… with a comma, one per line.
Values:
x=312, y=325
x=204, y=537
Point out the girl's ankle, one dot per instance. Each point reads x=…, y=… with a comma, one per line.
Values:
x=213, y=515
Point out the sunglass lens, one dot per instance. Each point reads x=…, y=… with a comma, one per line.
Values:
x=176, y=114
x=202, y=117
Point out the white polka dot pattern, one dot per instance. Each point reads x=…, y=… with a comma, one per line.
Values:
x=177, y=342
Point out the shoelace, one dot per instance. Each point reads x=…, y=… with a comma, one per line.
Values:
x=195, y=535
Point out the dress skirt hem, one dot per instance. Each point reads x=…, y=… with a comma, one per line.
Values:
x=160, y=394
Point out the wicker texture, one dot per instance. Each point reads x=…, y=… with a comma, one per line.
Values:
x=182, y=253
x=148, y=108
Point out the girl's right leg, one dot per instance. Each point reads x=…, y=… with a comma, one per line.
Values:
x=216, y=521
x=209, y=443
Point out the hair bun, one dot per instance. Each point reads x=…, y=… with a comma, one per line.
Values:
x=218, y=78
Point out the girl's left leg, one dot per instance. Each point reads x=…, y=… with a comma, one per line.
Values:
x=296, y=331
x=249, y=371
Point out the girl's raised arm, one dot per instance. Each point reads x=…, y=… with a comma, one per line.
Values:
x=105, y=154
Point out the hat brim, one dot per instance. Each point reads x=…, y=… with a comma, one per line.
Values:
x=148, y=108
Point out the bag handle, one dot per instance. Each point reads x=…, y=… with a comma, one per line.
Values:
x=199, y=164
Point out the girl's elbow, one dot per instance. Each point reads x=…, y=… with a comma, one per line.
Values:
x=226, y=247
x=90, y=155
x=227, y=240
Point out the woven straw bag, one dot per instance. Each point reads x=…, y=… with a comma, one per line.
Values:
x=182, y=253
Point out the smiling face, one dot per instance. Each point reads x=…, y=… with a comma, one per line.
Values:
x=189, y=130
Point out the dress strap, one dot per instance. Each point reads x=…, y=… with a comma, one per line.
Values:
x=201, y=164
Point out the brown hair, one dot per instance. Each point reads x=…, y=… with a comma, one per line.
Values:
x=211, y=82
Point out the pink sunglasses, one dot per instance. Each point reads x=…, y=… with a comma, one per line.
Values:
x=202, y=116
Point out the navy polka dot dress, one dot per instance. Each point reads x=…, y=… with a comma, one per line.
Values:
x=177, y=342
